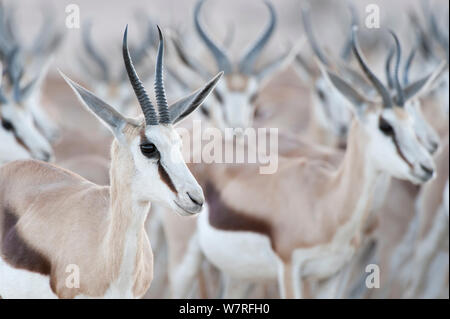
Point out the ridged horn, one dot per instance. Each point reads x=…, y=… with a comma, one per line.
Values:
x=160, y=93
x=147, y=107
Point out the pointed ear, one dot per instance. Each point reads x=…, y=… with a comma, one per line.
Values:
x=425, y=84
x=113, y=119
x=182, y=108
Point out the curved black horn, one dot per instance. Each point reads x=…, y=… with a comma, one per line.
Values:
x=398, y=53
x=387, y=68
x=160, y=93
x=247, y=63
x=93, y=53
x=221, y=58
x=381, y=89
x=309, y=34
x=408, y=65
x=148, y=109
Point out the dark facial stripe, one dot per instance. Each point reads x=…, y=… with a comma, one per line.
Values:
x=225, y=218
x=17, y=252
x=399, y=151
x=18, y=139
x=166, y=178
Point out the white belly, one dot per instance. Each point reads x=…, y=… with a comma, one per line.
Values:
x=245, y=255
x=22, y=284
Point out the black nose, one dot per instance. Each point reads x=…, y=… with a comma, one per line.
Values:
x=46, y=156
x=196, y=201
x=427, y=170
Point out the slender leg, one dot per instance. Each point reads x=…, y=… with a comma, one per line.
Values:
x=289, y=281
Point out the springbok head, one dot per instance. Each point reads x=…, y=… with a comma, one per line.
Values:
x=151, y=148
x=11, y=146
x=424, y=131
x=102, y=79
x=30, y=62
x=234, y=98
x=393, y=146
x=18, y=122
x=330, y=108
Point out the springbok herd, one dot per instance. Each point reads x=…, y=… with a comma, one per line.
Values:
x=357, y=207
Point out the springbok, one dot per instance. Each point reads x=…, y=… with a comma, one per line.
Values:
x=234, y=99
x=315, y=233
x=19, y=125
x=30, y=63
x=52, y=219
x=330, y=117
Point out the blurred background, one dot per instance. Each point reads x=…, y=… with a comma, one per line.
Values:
x=83, y=145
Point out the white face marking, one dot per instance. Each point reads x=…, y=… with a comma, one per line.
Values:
x=425, y=133
x=42, y=120
x=24, y=129
x=331, y=109
x=151, y=185
x=399, y=153
x=236, y=108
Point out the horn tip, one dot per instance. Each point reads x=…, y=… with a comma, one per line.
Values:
x=159, y=32
x=125, y=37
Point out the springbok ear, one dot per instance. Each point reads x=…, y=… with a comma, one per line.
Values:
x=182, y=108
x=113, y=119
x=425, y=84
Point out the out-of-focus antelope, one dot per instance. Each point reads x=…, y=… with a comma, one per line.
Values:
x=30, y=63
x=233, y=105
x=315, y=233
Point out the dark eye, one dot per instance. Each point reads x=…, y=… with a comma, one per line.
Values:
x=149, y=150
x=385, y=127
x=7, y=125
x=321, y=95
x=253, y=98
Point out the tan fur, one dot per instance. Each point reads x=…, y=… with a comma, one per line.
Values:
x=308, y=177
x=237, y=82
x=72, y=221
